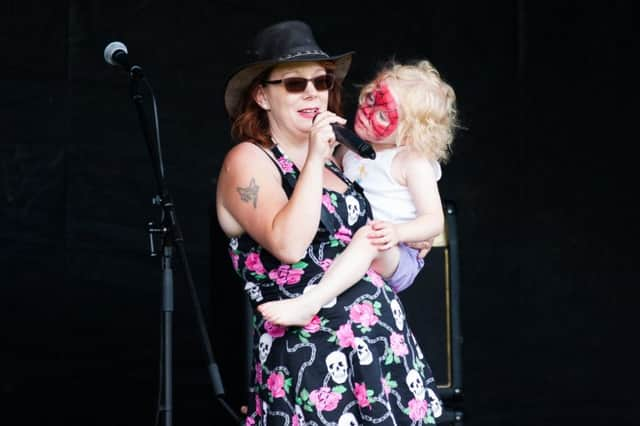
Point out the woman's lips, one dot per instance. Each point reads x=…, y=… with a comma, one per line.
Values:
x=309, y=113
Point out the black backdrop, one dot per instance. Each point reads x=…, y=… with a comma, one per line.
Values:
x=544, y=196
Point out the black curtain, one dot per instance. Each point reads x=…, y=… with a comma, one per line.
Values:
x=541, y=173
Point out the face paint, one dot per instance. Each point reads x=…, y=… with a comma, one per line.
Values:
x=379, y=112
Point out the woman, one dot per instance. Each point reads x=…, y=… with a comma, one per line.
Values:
x=289, y=211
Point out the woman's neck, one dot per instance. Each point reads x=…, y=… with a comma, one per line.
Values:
x=295, y=149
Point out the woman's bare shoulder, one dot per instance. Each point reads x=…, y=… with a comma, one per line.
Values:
x=243, y=152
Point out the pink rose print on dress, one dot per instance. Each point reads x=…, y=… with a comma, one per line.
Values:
x=295, y=421
x=385, y=386
x=345, y=336
x=275, y=382
x=375, y=278
x=325, y=264
x=417, y=409
x=314, y=324
x=258, y=406
x=286, y=275
x=234, y=260
x=360, y=391
x=254, y=263
x=363, y=313
x=258, y=373
x=324, y=399
x=249, y=421
x=326, y=200
x=397, y=345
x=285, y=165
x=274, y=330
x=343, y=234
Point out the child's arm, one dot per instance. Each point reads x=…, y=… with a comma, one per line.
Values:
x=423, y=186
x=419, y=176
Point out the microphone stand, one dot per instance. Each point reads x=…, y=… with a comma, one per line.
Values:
x=172, y=239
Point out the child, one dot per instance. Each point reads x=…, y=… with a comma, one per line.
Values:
x=408, y=115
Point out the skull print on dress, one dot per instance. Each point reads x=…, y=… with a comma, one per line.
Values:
x=233, y=244
x=353, y=209
x=434, y=403
x=362, y=350
x=253, y=291
x=347, y=419
x=337, y=365
x=397, y=313
x=415, y=384
x=299, y=415
x=264, y=347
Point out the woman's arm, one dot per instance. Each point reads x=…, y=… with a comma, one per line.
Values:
x=250, y=198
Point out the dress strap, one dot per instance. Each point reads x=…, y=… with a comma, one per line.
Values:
x=287, y=185
x=290, y=174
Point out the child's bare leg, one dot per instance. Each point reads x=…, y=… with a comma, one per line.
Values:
x=346, y=270
x=386, y=262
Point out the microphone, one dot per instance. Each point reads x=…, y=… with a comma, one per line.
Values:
x=116, y=54
x=353, y=142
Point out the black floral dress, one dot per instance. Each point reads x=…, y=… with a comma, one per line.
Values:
x=357, y=362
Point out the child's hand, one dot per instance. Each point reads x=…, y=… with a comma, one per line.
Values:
x=384, y=234
x=423, y=246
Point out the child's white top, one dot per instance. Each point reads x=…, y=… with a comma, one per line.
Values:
x=390, y=201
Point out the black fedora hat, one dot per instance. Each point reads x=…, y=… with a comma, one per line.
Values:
x=287, y=41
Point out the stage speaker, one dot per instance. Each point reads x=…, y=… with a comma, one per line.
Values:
x=433, y=311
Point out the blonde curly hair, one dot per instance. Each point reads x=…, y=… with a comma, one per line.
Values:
x=427, y=107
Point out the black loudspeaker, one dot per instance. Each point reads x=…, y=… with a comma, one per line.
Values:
x=432, y=306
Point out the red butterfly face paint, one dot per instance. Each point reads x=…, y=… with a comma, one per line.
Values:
x=377, y=116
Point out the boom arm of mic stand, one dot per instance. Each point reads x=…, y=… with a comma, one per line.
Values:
x=174, y=232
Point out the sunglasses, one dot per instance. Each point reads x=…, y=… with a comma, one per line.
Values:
x=299, y=84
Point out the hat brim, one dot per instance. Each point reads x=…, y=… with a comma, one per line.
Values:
x=239, y=81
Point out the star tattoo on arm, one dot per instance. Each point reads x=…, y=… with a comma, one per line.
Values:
x=250, y=193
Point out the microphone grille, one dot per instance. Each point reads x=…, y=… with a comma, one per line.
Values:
x=112, y=48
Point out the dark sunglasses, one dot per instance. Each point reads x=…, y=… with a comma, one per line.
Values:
x=299, y=84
